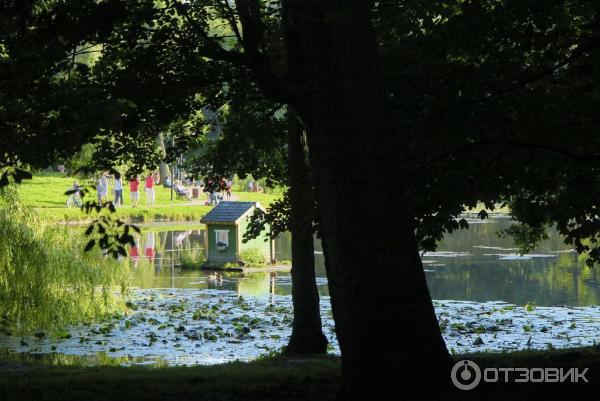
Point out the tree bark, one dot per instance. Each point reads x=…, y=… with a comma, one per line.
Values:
x=307, y=334
x=385, y=321
x=164, y=169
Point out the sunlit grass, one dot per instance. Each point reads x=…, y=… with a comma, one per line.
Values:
x=46, y=193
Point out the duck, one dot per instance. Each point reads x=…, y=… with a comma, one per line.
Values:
x=218, y=277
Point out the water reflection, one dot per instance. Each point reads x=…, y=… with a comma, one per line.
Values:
x=478, y=265
x=174, y=323
x=473, y=264
x=164, y=251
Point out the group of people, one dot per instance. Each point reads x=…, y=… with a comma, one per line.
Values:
x=102, y=185
x=104, y=181
x=253, y=186
x=214, y=197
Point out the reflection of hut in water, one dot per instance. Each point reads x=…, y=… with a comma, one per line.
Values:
x=256, y=285
x=226, y=224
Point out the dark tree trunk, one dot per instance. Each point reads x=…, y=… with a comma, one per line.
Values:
x=307, y=335
x=385, y=321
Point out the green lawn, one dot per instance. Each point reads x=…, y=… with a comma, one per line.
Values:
x=47, y=194
x=264, y=199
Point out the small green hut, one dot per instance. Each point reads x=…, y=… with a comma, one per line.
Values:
x=226, y=224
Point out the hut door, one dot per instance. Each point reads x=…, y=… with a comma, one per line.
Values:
x=222, y=237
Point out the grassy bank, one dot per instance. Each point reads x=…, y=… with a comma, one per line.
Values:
x=137, y=214
x=46, y=194
x=275, y=378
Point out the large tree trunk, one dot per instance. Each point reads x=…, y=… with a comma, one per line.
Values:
x=385, y=321
x=164, y=169
x=307, y=335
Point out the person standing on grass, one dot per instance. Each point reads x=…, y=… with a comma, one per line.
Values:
x=100, y=189
x=149, y=185
x=228, y=186
x=104, y=179
x=75, y=198
x=118, y=190
x=134, y=187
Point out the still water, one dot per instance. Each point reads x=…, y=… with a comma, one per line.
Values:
x=471, y=265
x=487, y=298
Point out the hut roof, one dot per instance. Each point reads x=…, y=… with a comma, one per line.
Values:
x=229, y=212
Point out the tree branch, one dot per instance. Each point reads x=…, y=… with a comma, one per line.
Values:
x=210, y=47
x=274, y=86
x=231, y=19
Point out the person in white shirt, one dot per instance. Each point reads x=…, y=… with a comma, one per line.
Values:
x=101, y=186
x=118, y=190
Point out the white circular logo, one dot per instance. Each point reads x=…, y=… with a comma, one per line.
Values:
x=465, y=375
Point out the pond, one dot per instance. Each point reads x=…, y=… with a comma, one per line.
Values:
x=470, y=265
x=488, y=298
x=477, y=265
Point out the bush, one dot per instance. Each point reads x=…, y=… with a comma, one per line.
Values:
x=253, y=257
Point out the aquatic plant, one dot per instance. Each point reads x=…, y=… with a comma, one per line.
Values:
x=47, y=281
x=191, y=260
x=253, y=257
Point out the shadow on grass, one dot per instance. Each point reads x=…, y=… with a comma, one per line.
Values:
x=281, y=378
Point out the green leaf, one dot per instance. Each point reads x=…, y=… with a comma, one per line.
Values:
x=90, y=245
x=89, y=230
x=63, y=334
x=20, y=175
x=4, y=180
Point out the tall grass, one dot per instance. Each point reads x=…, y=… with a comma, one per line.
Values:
x=47, y=281
x=190, y=260
x=253, y=257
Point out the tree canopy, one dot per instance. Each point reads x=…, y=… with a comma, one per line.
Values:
x=491, y=85
x=414, y=112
